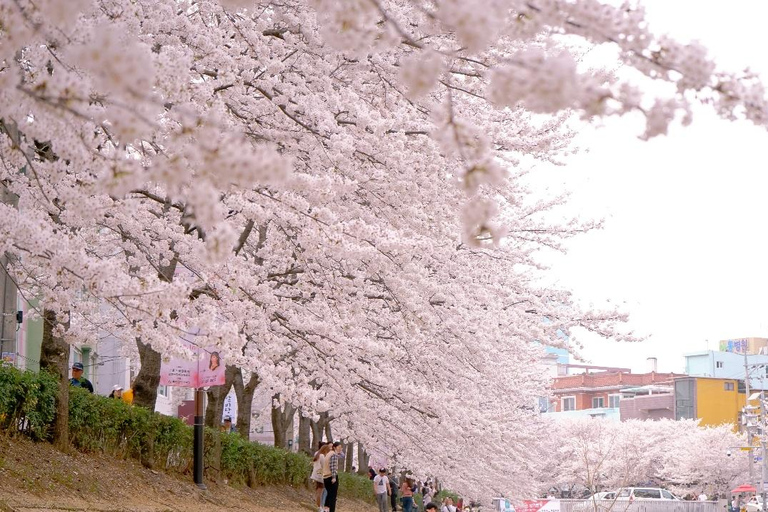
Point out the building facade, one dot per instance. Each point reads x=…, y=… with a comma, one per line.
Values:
x=653, y=402
x=599, y=394
x=713, y=401
x=729, y=365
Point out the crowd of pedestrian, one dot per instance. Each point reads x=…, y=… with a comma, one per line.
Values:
x=78, y=380
x=387, y=488
x=390, y=491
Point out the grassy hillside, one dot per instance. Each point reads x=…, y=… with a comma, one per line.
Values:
x=35, y=476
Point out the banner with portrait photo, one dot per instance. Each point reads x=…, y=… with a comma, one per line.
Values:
x=202, y=369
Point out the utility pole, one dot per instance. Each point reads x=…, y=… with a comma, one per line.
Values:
x=746, y=423
x=762, y=440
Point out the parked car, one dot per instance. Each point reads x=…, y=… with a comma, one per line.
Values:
x=601, y=500
x=755, y=504
x=644, y=493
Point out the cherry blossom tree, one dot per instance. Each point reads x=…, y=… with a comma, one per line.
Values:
x=596, y=455
x=328, y=193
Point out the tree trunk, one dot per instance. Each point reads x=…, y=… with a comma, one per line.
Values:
x=214, y=408
x=349, y=461
x=328, y=433
x=148, y=379
x=305, y=443
x=317, y=434
x=362, y=459
x=216, y=395
x=320, y=428
x=213, y=412
x=54, y=357
x=245, y=394
x=282, y=421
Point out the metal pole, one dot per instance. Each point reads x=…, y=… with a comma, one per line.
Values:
x=762, y=441
x=198, y=438
x=746, y=411
x=762, y=474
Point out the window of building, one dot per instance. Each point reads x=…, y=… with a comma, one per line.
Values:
x=719, y=364
x=547, y=405
x=569, y=403
x=729, y=386
x=162, y=391
x=598, y=402
x=613, y=401
x=685, y=393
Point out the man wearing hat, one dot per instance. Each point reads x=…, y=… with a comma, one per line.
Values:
x=382, y=490
x=78, y=380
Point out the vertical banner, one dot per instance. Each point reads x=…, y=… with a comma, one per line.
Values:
x=230, y=407
x=211, y=369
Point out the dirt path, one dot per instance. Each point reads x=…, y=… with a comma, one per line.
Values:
x=35, y=477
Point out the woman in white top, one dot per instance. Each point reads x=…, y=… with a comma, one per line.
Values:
x=317, y=474
x=448, y=505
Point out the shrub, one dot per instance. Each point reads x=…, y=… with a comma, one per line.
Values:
x=356, y=486
x=99, y=424
x=27, y=401
x=298, y=467
x=246, y=462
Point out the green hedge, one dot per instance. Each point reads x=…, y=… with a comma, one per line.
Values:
x=100, y=424
x=241, y=459
x=356, y=486
x=105, y=425
x=27, y=401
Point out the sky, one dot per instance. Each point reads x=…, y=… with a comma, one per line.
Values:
x=685, y=238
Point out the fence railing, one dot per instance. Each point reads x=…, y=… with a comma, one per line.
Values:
x=638, y=505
